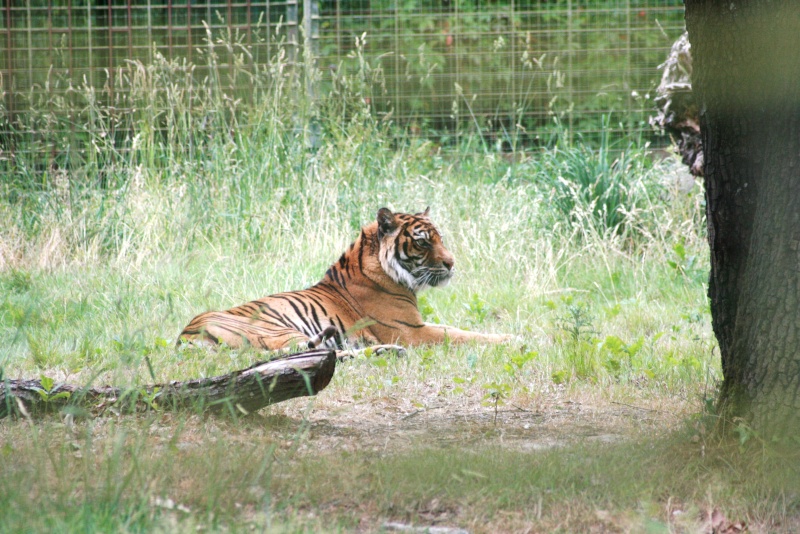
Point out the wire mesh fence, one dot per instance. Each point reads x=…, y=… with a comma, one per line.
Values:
x=88, y=39
x=513, y=71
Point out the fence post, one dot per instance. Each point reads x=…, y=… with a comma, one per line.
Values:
x=512, y=127
x=291, y=29
x=9, y=74
x=311, y=24
x=569, y=73
x=627, y=76
x=89, y=43
x=311, y=53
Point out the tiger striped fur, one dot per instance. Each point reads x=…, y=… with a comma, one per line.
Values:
x=367, y=297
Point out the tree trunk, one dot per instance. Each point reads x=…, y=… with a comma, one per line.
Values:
x=746, y=79
x=247, y=390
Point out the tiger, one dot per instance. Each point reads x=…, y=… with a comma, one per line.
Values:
x=368, y=297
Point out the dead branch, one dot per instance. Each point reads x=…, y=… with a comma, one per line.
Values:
x=246, y=390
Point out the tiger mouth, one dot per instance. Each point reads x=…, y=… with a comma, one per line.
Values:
x=438, y=278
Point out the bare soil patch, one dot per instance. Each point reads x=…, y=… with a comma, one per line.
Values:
x=394, y=424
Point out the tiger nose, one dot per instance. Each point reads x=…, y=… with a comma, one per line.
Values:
x=448, y=263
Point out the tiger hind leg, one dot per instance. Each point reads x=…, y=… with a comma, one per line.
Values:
x=237, y=332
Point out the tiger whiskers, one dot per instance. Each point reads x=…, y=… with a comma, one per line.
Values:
x=425, y=277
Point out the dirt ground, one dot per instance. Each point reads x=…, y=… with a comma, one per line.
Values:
x=394, y=423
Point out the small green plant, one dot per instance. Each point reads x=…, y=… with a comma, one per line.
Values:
x=583, y=358
x=477, y=309
x=46, y=391
x=496, y=395
x=620, y=354
x=709, y=403
x=576, y=325
x=379, y=362
x=745, y=433
x=560, y=377
x=613, y=311
x=517, y=361
x=576, y=322
x=131, y=348
x=687, y=366
x=458, y=388
x=427, y=311
x=149, y=397
x=685, y=264
x=427, y=357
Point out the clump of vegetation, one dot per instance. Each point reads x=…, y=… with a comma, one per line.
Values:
x=604, y=189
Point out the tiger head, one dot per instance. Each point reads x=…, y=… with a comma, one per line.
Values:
x=411, y=250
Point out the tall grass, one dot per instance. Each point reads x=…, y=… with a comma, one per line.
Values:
x=607, y=188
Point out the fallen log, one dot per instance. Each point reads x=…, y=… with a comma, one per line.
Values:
x=242, y=391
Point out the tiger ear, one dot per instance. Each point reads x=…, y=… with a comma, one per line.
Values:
x=424, y=214
x=386, y=222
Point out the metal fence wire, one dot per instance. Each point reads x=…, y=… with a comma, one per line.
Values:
x=513, y=70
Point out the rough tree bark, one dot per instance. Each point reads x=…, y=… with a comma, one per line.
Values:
x=746, y=79
x=295, y=375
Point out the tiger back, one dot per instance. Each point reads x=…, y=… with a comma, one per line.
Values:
x=367, y=297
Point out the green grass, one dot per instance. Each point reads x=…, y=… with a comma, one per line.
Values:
x=179, y=474
x=592, y=417
x=123, y=268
